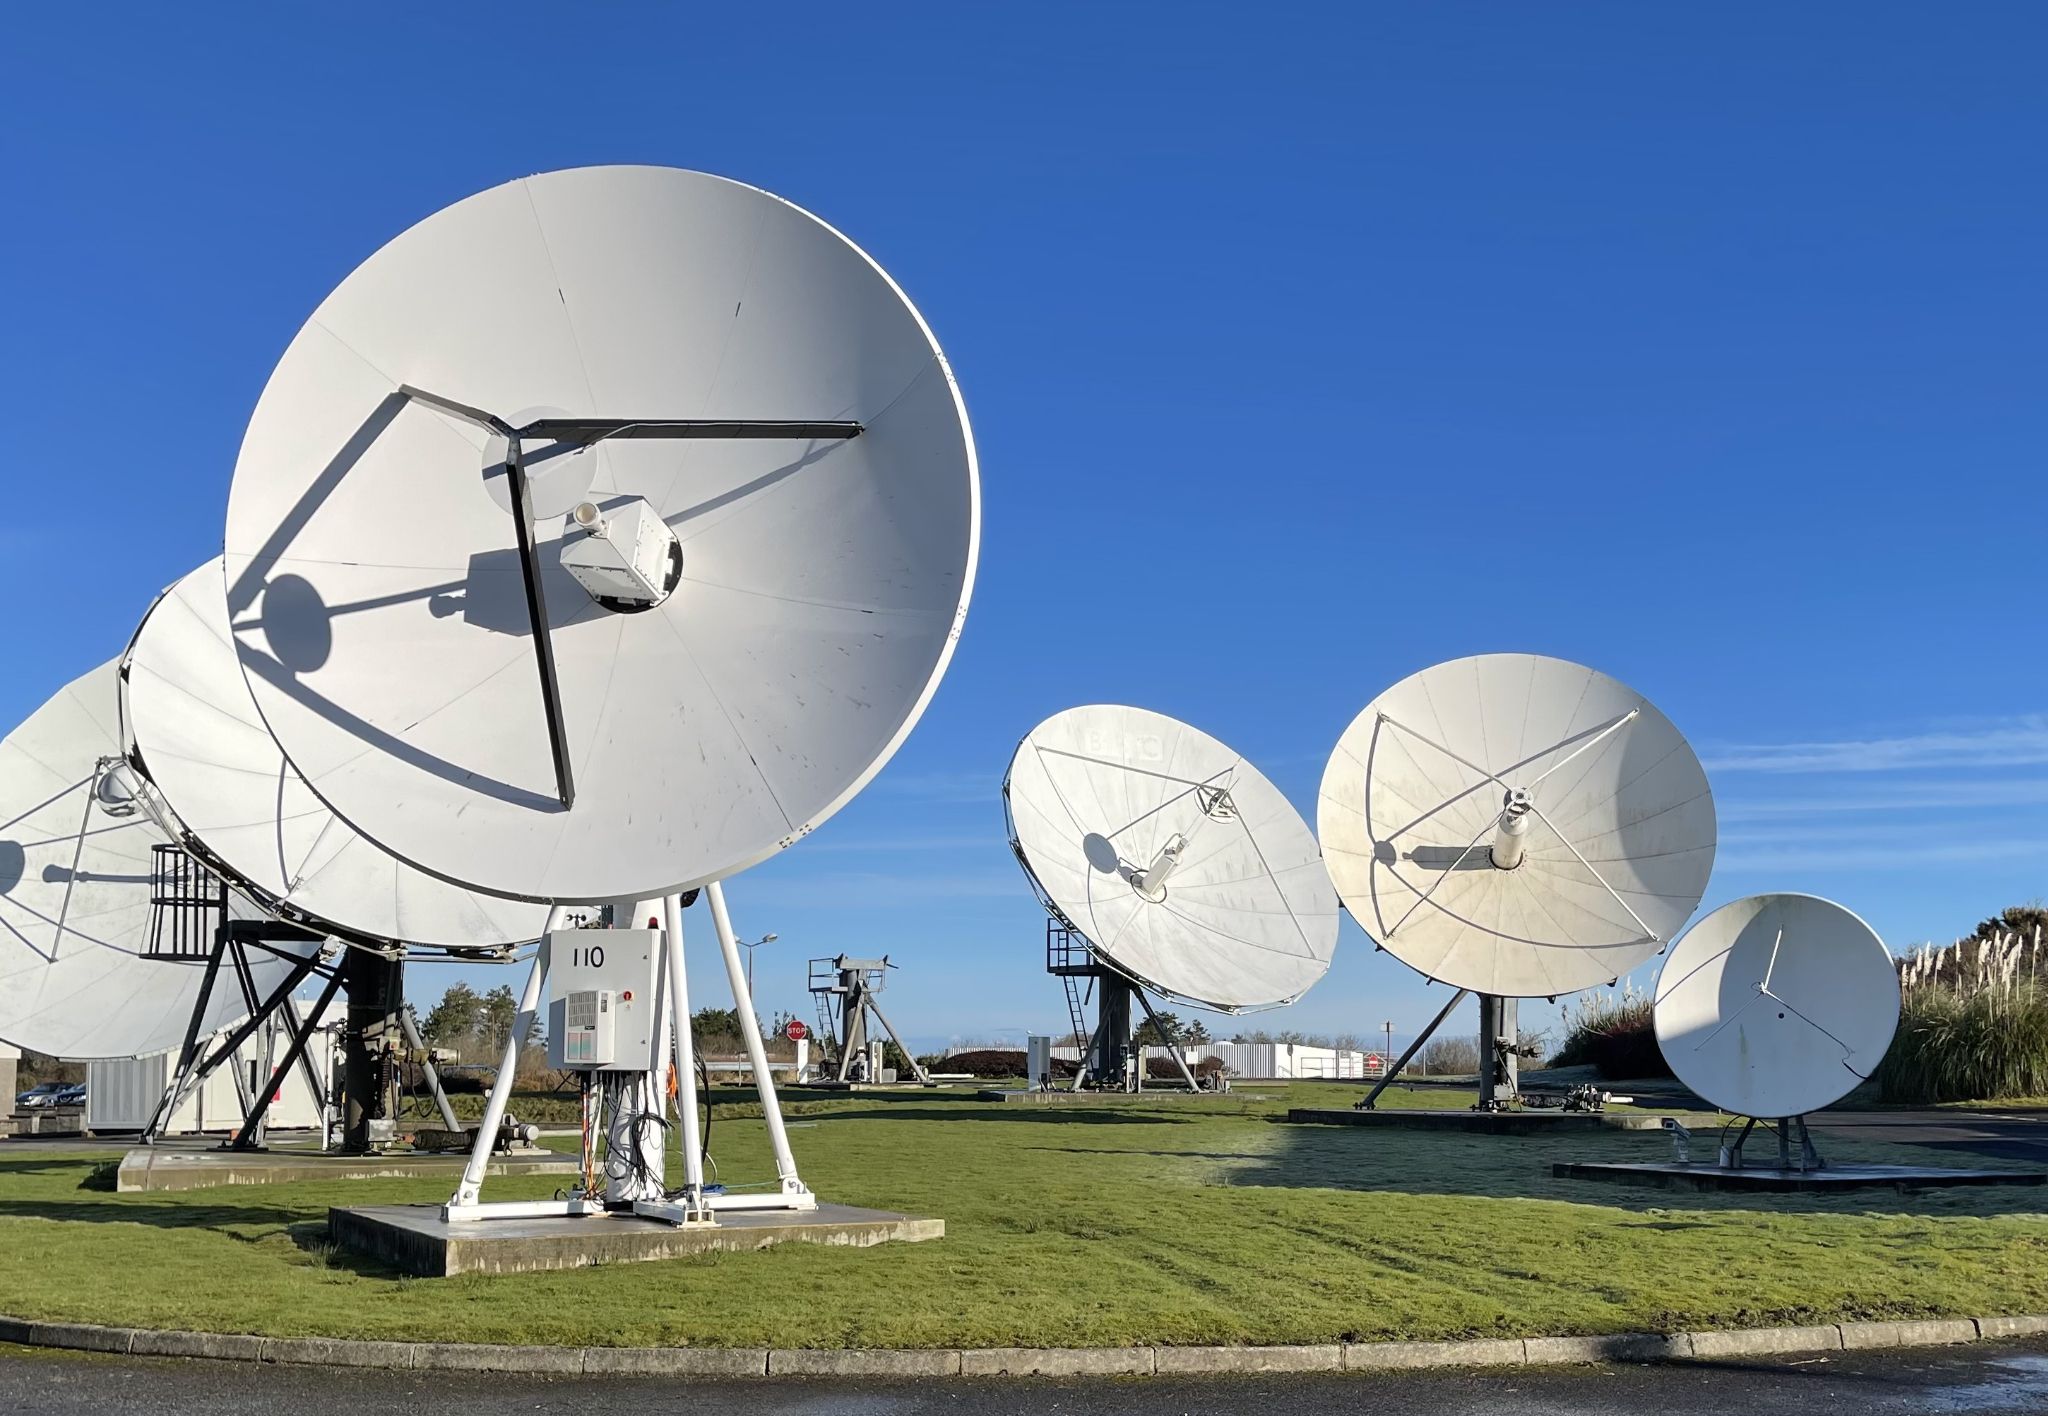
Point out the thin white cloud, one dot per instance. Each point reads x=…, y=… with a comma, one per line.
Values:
x=2008, y=742
x=1891, y=858
x=1895, y=796
x=1901, y=833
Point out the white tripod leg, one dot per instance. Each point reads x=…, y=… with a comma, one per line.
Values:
x=685, y=1050
x=465, y=1195
x=794, y=1193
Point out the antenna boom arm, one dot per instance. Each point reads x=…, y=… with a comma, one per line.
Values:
x=592, y=430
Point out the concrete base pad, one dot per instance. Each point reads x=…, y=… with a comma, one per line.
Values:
x=1493, y=1123
x=1483, y=1121
x=1673, y=1176
x=1021, y=1097
x=415, y=1237
x=170, y=1168
x=831, y=1086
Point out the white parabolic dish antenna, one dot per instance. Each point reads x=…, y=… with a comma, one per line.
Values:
x=188, y=719
x=76, y=976
x=1517, y=825
x=750, y=533
x=1185, y=868
x=1777, y=1005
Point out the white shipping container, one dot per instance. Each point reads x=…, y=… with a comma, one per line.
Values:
x=121, y=1094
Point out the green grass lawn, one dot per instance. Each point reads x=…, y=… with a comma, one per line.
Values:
x=1143, y=1221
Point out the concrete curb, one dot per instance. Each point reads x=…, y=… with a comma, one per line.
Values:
x=1633, y=1347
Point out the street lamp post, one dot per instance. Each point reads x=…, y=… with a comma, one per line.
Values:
x=764, y=939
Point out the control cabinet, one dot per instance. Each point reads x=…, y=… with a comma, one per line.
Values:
x=603, y=1005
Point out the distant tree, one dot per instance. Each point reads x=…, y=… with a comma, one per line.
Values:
x=716, y=1022
x=453, y=1021
x=1195, y=1035
x=1290, y=1037
x=1452, y=1054
x=1254, y=1036
x=2029, y=921
x=1345, y=1042
x=1166, y=1032
x=496, y=1012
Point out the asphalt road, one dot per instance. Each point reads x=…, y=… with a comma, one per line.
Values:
x=1936, y=1382
x=2015, y=1137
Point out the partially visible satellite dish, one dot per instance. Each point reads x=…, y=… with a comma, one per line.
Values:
x=1517, y=825
x=81, y=975
x=1777, y=1005
x=1186, y=869
x=750, y=545
x=193, y=731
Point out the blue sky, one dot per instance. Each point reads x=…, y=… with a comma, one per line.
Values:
x=1704, y=345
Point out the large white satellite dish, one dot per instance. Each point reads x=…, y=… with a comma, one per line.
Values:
x=750, y=532
x=1517, y=825
x=82, y=974
x=191, y=728
x=1187, y=871
x=1777, y=1005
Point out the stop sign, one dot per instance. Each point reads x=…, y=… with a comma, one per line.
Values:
x=796, y=1031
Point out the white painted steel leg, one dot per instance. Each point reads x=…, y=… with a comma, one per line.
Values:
x=465, y=1196
x=685, y=1046
x=692, y=1206
x=794, y=1193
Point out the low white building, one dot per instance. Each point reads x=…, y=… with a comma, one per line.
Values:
x=1267, y=1061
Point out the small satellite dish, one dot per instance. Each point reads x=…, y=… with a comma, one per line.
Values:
x=632, y=647
x=1777, y=1005
x=193, y=732
x=82, y=972
x=1187, y=871
x=1517, y=825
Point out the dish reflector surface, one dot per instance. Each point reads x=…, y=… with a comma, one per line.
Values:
x=1777, y=1005
x=188, y=715
x=1245, y=917
x=75, y=979
x=1617, y=839
x=375, y=581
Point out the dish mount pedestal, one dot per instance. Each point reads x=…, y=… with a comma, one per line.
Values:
x=694, y=1202
x=1109, y=1060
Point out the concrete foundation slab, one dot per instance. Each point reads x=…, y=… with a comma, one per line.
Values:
x=1020, y=1097
x=415, y=1237
x=1672, y=1176
x=827, y=1085
x=174, y=1168
x=1492, y=1123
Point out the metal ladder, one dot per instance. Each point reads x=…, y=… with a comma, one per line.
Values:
x=1077, y=1015
x=828, y=1026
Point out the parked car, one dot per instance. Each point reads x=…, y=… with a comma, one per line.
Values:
x=38, y=1097
x=73, y=1095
